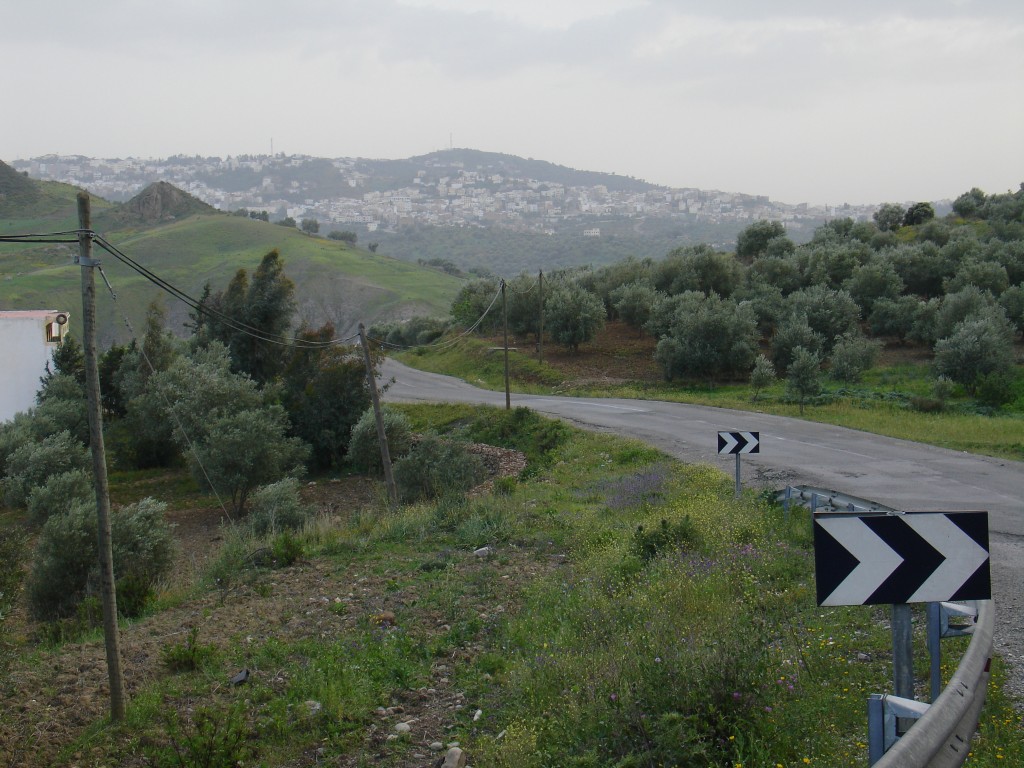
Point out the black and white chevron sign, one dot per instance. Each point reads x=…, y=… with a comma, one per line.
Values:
x=739, y=442
x=916, y=557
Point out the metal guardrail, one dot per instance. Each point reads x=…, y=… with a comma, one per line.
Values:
x=824, y=498
x=940, y=736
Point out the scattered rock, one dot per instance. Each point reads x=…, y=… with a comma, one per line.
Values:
x=436, y=746
x=402, y=728
x=455, y=758
x=314, y=707
x=483, y=552
x=477, y=715
x=241, y=677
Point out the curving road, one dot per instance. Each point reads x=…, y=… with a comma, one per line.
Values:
x=897, y=473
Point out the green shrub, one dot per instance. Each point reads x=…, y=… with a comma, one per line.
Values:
x=997, y=388
x=204, y=738
x=364, y=447
x=59, y=494
x=66, y=568
x=31, y=464
x=436, y=467
x=13, y=435
x=648, y=545
x=187, y=656
x=277, y=507
x=286, y=549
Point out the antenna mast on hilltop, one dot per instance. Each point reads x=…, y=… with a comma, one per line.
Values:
x=271, y=146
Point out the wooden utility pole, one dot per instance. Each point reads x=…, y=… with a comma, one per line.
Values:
x=99, y=460
x=540, y=333
x=382, y=437
x=504, y=324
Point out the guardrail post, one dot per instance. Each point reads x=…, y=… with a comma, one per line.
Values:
x=876, y=728
x=939, y=628
x=935, y=647
x=902, y=656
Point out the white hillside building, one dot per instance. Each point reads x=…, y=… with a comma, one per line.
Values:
x=27, y=341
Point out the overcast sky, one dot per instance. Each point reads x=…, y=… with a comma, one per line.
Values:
x=804, y=101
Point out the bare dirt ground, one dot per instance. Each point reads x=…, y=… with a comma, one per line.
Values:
x=617, y=356
x=56, y=695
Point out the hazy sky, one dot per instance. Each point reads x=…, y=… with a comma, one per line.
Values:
x=866, y=101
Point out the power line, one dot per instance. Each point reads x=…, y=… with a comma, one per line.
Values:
x=199, y=306
x=447, y=342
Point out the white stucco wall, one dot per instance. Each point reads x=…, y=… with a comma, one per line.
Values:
x=24, y=353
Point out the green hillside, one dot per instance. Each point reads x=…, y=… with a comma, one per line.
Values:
x=334, y=281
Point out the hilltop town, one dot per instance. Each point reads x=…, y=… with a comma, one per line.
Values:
x=452, y=188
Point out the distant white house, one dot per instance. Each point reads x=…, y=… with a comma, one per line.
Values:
x=27, y=341
x=595, y=232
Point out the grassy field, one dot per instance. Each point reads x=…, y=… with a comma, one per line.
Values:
x=622, y=366
x=629, y=612
x=335, y=282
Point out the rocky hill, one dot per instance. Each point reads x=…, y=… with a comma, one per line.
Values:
x=162, y=202
x=16, y=190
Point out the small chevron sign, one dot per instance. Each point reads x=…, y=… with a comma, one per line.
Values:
x=739, y=442
x=914, y=557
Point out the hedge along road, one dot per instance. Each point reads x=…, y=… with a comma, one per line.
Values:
x=897, y=473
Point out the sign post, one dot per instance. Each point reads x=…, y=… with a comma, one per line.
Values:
x=738, y=443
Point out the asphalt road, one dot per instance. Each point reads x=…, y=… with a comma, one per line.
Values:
x=898, y=473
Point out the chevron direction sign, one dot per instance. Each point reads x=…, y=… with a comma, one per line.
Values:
x=739, y=442
x=914, y=557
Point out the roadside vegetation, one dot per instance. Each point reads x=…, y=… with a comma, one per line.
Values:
x=603, y=605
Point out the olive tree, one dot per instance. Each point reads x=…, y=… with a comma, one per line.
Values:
x=761, y=377
x=634, y=302
x=803, y=379
x=247, y=449
x=753, y=241
x=889, y=217
x=829, y=313
x=877, y=279
x=714, y=338
x=978, y=346
x=573, y=315
x=851, y=356
x=792, y=334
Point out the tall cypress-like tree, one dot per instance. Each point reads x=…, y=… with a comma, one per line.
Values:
x=253, y=318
